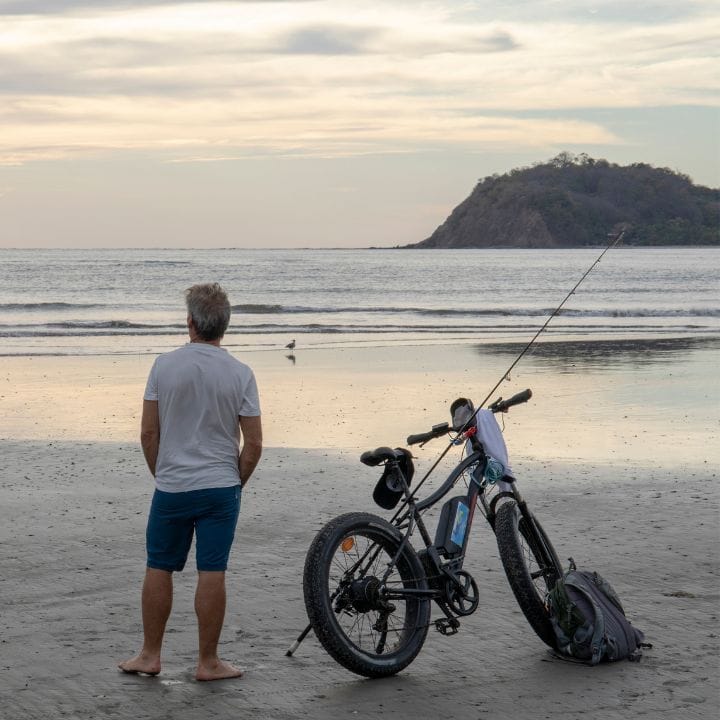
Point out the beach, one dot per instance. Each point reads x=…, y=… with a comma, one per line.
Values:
x=617, y=453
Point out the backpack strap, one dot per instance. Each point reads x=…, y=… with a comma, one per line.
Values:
x=636, y=655
x=597, y=642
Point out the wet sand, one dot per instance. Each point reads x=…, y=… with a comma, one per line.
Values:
x=643, y=514
x=72, y=567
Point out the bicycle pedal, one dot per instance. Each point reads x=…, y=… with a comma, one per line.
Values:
x=445, y=626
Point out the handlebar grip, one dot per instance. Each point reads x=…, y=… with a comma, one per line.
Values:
x=437, y=431
x=420, y=438
x=520, y=397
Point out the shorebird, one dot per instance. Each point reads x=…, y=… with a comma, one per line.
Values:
x=291, y=345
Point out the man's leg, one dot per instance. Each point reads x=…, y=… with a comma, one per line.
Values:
x=157, y=595
x=210, y=609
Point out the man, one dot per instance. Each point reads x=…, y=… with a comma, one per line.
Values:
x=198, y=401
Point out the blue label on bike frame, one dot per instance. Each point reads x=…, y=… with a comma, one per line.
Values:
x=461, y=518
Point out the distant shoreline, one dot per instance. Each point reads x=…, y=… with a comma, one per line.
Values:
x=546, y=249
x=348, y=249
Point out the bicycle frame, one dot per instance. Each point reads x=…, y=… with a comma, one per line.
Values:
x=437, y=567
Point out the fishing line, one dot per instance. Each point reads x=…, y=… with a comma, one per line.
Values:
x=611, y=245
x=613, y=242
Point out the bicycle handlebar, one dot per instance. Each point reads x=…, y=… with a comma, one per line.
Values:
x=499, y=405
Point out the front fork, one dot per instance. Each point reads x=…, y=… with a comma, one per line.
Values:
x=505, y=490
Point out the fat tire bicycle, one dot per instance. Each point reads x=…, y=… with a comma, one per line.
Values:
x=368, y=593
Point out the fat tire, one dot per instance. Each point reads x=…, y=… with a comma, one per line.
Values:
x=512, y=531
x=322, y=615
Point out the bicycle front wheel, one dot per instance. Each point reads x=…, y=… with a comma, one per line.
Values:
x=353, y=587
x=531, y=565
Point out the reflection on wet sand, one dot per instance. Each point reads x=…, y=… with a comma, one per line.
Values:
x=569, y=356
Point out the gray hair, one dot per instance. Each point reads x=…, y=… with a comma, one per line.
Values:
x=209, y=308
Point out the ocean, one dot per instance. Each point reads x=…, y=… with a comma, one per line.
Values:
x=130, y=301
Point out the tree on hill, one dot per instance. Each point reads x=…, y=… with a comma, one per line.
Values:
x=574, y=201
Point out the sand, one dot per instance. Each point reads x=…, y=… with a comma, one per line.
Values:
x=644, y=515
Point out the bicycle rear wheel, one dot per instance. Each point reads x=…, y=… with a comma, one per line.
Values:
x=531, y=565
x=362, y=618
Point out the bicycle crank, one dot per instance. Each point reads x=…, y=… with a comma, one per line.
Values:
x=461, y=593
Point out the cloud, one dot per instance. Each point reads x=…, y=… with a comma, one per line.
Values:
x=221, y=80
x=328, y=40
x=496, y=41
x=59, y=7
x=348, y=40
x=606, y=13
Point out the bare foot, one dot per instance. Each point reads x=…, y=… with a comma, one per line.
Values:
x=217, y=670
x=141, y=663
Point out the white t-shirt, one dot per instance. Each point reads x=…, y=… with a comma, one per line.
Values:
x=201, y=391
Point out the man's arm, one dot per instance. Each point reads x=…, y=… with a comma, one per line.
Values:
x=251, y=428
x=150, y=433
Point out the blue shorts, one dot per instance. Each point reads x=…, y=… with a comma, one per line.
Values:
x=210, y=514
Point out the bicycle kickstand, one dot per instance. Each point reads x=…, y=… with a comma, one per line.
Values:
x=296, y=644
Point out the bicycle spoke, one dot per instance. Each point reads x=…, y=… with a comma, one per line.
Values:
x=355, y=573
x=363, y=558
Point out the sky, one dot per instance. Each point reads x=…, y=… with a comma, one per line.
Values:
x=328, y=123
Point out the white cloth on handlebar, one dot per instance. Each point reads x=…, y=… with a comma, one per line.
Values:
x=490, y=435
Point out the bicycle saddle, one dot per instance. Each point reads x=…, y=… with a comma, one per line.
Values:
x=381, y=454
x=389, y=488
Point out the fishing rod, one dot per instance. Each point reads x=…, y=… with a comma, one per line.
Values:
x=614, y=241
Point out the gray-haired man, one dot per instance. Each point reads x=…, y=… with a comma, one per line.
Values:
x=198, y=402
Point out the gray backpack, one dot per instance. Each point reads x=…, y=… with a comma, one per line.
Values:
x=589, y=620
